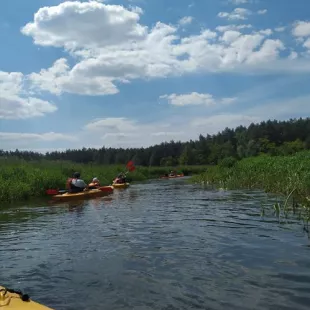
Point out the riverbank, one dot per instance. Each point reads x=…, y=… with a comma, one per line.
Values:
x=21, y=180
x=287, y=176
x=276, y=174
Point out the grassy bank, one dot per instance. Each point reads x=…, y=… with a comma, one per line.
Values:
x=276, y=174
x=20, y=180
x=288, y=176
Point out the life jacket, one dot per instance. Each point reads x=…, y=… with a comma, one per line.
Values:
x=71, y=187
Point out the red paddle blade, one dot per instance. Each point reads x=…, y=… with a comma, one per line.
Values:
x=130, y=164
x=52, y=192
x=133, y=168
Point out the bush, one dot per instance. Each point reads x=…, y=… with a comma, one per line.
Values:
x=227, y=162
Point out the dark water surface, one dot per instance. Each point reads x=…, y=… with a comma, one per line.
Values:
x=160, y=245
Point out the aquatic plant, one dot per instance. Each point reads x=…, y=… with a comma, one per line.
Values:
x=287, y=176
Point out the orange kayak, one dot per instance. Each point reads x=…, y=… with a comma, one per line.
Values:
x=92, y=193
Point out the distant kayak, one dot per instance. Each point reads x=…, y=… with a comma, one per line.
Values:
x=18, y=301
x=121, y=185
x=172, y=176
x=92, y=193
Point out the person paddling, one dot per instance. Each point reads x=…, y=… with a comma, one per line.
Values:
x=94, y=184
x=120, y=179
x=76, y=184
x=172, y=173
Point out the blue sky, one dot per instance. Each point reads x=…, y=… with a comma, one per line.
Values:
x=135, y=73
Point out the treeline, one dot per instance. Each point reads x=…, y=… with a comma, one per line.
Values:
x=270, y=137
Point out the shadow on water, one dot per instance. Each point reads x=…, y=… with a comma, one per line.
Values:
x=157, y=245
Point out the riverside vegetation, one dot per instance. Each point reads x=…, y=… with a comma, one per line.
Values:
x=21, y=180
x=287, y=176
x=263, y=151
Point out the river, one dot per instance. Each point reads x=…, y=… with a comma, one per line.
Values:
x=158, y=245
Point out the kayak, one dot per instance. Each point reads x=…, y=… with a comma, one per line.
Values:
x=122, y=185
x=14, y=300
x=172, y=177
x=106, y=189
x=92, y=193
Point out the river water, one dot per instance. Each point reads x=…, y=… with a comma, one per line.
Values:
x=158, y=245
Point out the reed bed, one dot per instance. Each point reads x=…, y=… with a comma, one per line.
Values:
x=286, y=176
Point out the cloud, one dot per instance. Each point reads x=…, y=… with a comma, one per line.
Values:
x=15, y=103
x=74, y=25
x=301, y=29
x=236, y=14
x=111, y=125
x=262, y=12
x=238, y=2
x=111, y=51
x=307, y=43
x=293, y=55
x=232, y=27
x=216, y=123
x=266, y=32
x=186, y=20
x=167, y=133
x=280, y=29
x=195, y=98
x=147, y=134
x=59, y=78
x=47, y=137
x=128, y=133
x=40, y=142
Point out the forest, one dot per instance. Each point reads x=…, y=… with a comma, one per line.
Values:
x=270, y=137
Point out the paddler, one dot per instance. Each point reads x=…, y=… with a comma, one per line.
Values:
x=120, y=179
x=76, y=184
x=172, y=173
x=94, y=184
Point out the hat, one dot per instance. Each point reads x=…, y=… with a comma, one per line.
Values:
x=95, y=179
x=76, y=175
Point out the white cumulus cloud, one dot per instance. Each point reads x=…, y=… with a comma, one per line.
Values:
x=110, y=47
x=74, y=24
x=15, y=103
x=301, y=29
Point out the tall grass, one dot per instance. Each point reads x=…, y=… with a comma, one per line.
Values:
x=20, y=180
x=288, y=176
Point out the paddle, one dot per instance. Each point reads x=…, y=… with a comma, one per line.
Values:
x=56, y=191
x=130, y=167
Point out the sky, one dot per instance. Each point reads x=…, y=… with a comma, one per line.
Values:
x=134, y=73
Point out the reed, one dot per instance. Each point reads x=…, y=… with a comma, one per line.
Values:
x=287, y=176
